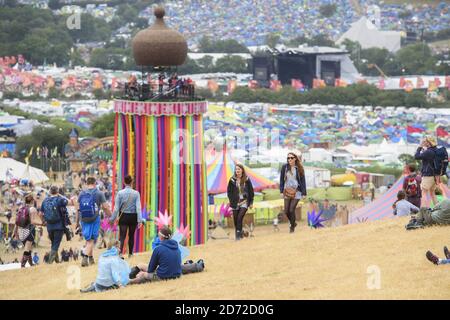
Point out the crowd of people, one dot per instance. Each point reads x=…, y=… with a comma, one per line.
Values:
x=290, y=18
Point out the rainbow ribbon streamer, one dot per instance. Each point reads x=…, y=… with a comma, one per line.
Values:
x=165, y=156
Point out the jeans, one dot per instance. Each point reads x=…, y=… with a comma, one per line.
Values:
x=238, y=217
x=55, y=237
x=289, y=210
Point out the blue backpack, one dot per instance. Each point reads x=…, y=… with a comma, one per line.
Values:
x=51, y=211
x=440, y=161
x=88, y=206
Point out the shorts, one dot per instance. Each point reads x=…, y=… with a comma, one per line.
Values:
x=91, y=230
x=428, y=183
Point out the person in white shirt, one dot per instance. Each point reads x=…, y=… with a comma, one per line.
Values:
x=403, y=207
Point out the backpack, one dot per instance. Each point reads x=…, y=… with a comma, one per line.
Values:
x=23, y=217
x=440, y=161
x=51, y=212
x=88, y=206
x=411, y=187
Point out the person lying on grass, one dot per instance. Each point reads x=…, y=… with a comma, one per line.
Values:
x=435, y=259
x=165, y=262
x=113, y=272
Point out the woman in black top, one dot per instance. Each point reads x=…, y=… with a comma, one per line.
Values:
x=240, y=195
x=292, y=186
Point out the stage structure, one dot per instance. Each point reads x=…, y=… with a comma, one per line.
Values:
x=305, y=64
x=160, y=142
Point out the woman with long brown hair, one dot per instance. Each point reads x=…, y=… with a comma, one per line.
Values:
x=240, y=195
x=292, y=186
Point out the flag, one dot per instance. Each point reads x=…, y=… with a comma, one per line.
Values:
x=340, y=83
x=411, y=129
x=232, y=84
x=432, y=86
x=213, y=86
x=27, y=158
x=447, y=82
x=97, y=82
x=441, y=132
x=45, y=152
x=437, y=81
x=297, y=84
x=319, y=83
x=275, y=85
x=420, y=82
x=402, y=82
x=253, y=84
x=54, y=152
x=38, y=152
x=381, y=84
x=21, y=59
x=409, y=86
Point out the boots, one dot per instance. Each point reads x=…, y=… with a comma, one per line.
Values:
x=237, y=235
x=26, y=255
x=52, y=256
x=57, y=258
x=84, y=260
x=30, y=260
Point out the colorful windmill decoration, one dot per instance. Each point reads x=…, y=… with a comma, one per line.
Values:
x=225, y=211
x=184, y=231
x=163, y=220
x=315, y=220
x=146, y=213
x=107, y=226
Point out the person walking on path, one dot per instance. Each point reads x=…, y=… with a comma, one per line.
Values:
x=25, y=231
x=128, y=211
x=292, y=186
x=51, y=207
x=90, y=201
x=240, y=195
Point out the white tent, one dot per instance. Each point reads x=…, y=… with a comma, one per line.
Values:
x=12, y=169
x=367, y=34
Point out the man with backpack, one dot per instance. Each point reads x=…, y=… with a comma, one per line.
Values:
x=90, y=201
x=411, y=186
x=52, y=207
x=434, y=165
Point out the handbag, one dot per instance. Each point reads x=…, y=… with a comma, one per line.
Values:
x=35, y=218
x=289, y=193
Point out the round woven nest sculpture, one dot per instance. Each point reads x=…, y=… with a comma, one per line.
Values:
x=158, y=45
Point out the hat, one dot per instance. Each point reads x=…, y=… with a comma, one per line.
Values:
x=431, y=140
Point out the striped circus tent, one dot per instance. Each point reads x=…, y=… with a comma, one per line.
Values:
x=381, y=208
x=221, y=169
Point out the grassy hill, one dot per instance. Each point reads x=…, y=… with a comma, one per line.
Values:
x=330, y=263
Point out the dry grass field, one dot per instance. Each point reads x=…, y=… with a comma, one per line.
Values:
x=331, y=263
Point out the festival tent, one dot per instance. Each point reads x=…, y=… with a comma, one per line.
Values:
x=368, y=35
x=221, y=169
x=12, y=169
x=381, y=208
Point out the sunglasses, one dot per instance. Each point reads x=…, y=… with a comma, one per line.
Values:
x=290, y=158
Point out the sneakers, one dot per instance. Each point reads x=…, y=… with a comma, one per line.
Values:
x=91, y=288
x=201, y=264
x=134, y=272
x=91, y=260
x=432, y=258
x=447, y=253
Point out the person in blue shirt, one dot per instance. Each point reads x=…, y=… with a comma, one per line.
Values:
x=165, y=262
x=113, y=272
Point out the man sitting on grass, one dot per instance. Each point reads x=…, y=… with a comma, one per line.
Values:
x=165, y=262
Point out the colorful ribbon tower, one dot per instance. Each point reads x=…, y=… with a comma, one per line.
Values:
x=161, y=145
